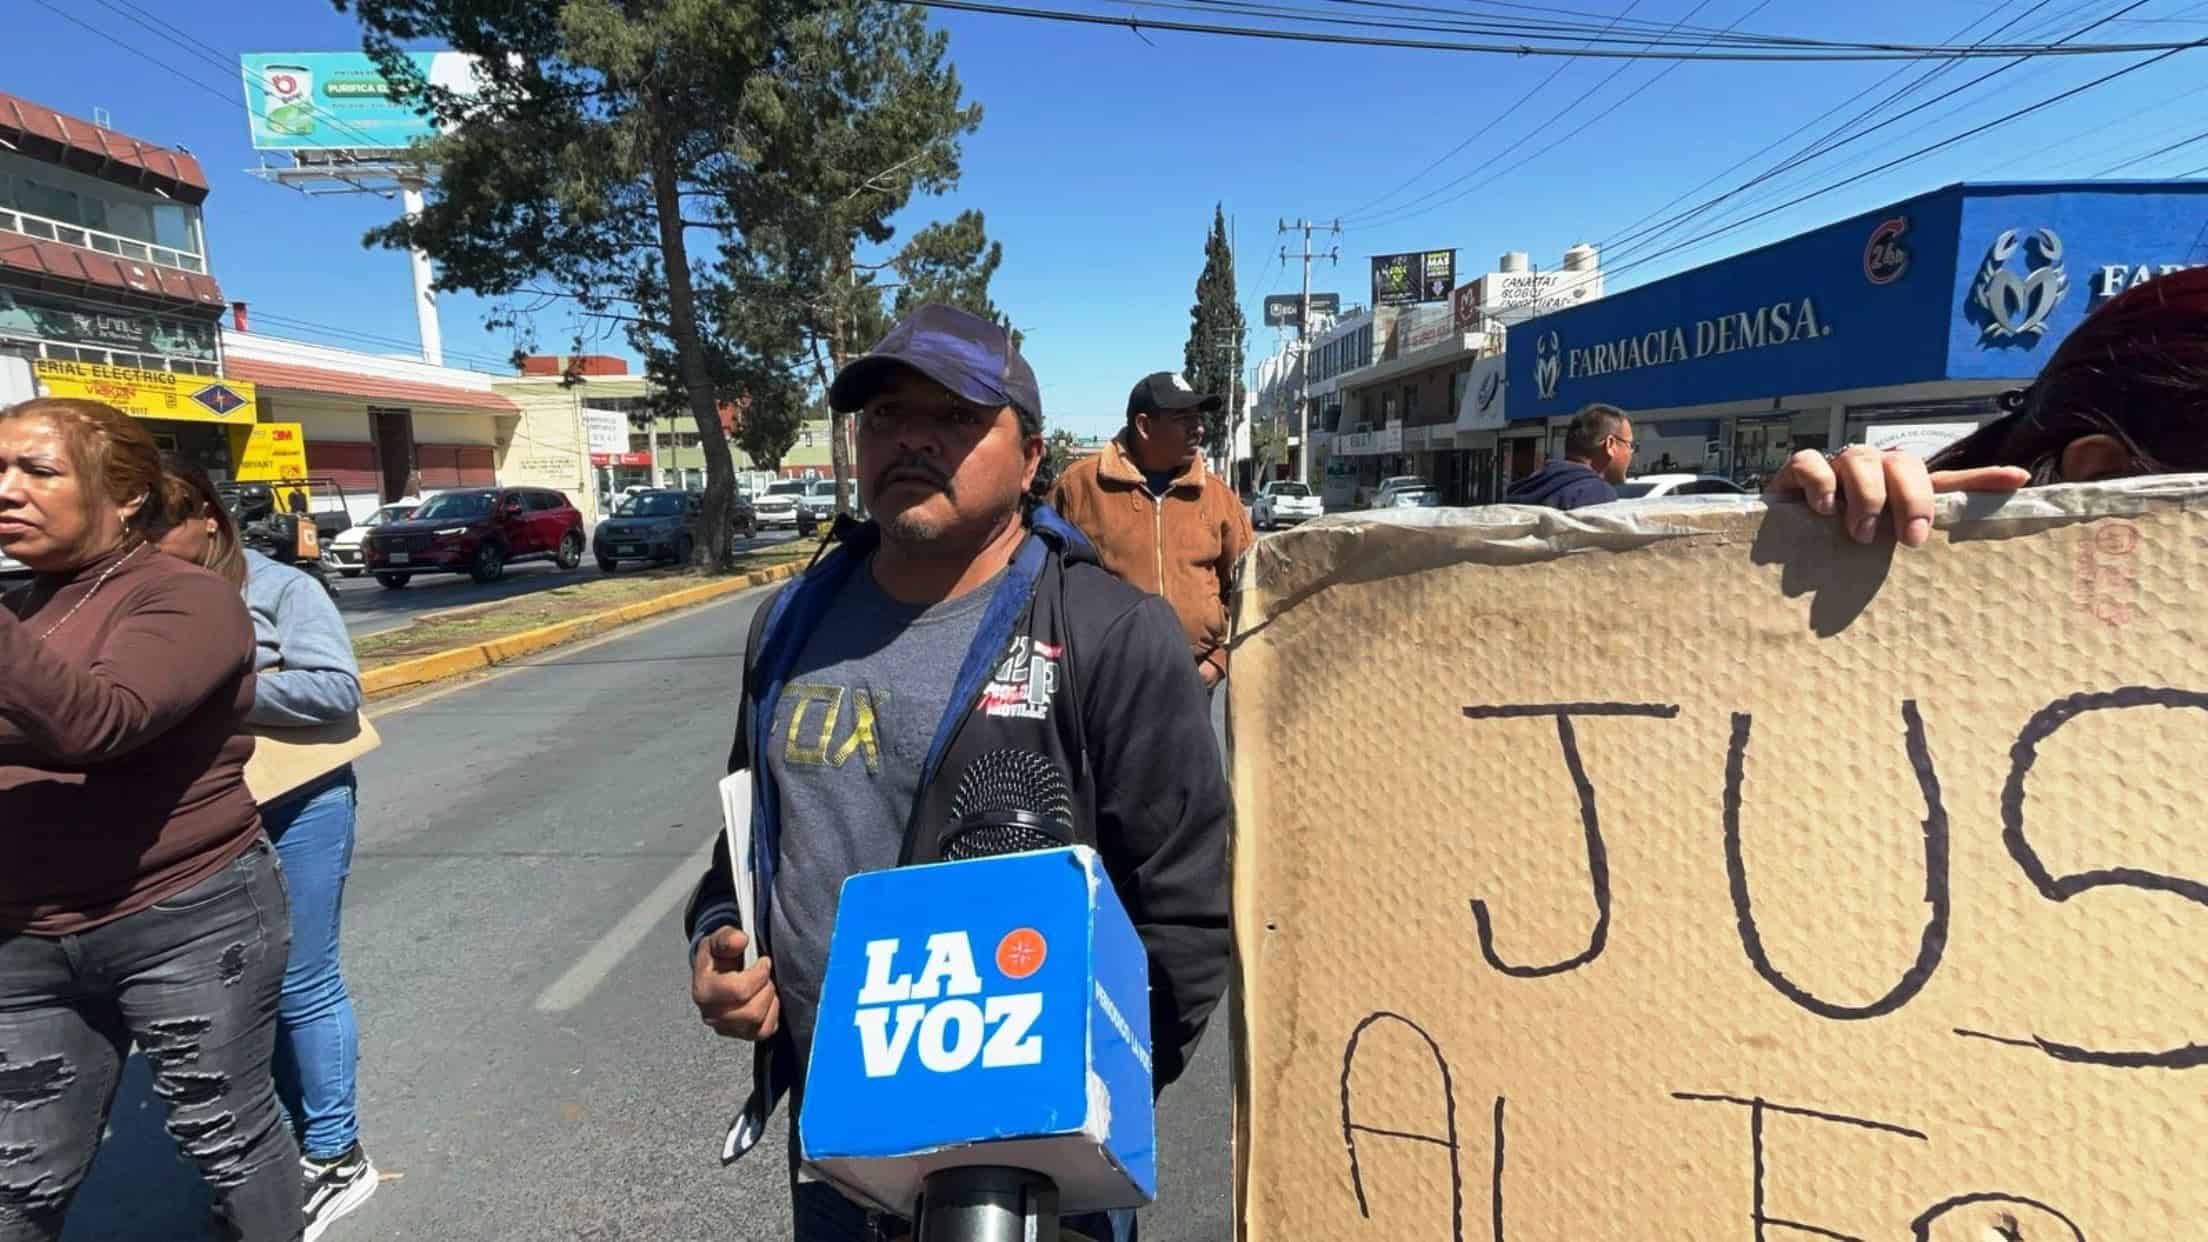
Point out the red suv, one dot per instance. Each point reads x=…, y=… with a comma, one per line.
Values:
x=477, y=531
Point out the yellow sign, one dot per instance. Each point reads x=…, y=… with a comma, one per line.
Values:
x=268, y=452
x=272, y=453
x=152, y=394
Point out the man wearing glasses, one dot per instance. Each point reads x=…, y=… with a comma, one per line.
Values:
x=1159, y=520
x=1598, y=450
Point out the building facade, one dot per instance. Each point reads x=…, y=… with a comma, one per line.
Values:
x=1901, y=324
x=105, y=282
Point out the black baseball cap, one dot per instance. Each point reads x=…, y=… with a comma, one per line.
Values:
x=965, y=353
x=1166, y=392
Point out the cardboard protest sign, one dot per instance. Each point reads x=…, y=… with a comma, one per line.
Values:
x=1689, y=873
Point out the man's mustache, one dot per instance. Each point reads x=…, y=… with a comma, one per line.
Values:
x=913, y=463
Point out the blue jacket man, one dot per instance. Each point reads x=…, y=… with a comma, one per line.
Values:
x=965, y=617
x=1598, y=450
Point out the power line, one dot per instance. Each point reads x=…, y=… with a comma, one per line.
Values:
x=1824, y=52
x=1454, y=151
x=1413, y=209
x=2202, y=136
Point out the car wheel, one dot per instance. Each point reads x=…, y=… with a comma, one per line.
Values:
x=490, y=563
x=571, y=550
x=393, y=582
x=607, y=564
x=349, y=573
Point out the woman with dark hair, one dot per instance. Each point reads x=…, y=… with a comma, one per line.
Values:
x=307, y=678
x=199, y=528
x=2125, y=394
x=140, y=902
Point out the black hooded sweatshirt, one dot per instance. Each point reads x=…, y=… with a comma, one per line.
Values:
x=1562, y=485
x=1129, y=724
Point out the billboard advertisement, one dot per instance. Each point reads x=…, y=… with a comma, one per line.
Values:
x=1412, y=278
x=337, y=101
x=1285, y=310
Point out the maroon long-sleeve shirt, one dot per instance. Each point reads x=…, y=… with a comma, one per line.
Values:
x=122, y=764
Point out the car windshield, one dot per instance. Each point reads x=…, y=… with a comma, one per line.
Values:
x=1634, y=491
x=389, y=513
x=652, y=504
x=794, y=487
x=455, y=505
x=1297, y=490
x=1423, y=500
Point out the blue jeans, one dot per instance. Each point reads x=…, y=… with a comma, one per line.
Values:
x=317, y=1038
x=193, y=982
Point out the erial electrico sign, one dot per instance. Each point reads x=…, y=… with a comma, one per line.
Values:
x=322, y=101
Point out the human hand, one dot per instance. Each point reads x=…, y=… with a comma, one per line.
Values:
x=1210, y=674
x=734, y=1001
x=1890, y=482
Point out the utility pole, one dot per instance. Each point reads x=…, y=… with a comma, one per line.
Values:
x=1303, y=338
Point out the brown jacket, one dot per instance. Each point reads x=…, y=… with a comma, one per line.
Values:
x=1182, y=545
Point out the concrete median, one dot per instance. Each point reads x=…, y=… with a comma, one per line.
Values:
x=423, y=670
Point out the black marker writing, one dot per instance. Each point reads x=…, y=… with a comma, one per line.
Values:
x=1933, y=943
x=1757, y=1109
x=1598, y=860
x=2009, y=1228
x=2044, y=724
x=1447, y=1139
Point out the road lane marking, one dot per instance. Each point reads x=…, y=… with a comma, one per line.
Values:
x=583, y=978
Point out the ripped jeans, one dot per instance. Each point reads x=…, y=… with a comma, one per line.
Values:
x=192, y=981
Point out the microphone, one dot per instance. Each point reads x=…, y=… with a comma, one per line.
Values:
x=981, y=1057
x=1008, y=802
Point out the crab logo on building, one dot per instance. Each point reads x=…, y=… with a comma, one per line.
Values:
x=1548, y=364
x=2015, y=306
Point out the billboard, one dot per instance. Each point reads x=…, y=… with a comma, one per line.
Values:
x=1286, y=309
x=334, y=101
x=1418, y=276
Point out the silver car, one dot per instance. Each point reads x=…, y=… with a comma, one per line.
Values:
x=777, y=508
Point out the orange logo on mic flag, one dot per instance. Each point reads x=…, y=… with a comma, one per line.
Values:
x=1021, y=953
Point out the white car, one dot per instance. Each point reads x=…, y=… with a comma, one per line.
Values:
x=778, y=506
x=342, y=552
x=1284, y=503
x=1651, y=486
x=1383, y=496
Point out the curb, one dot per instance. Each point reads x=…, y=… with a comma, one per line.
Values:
x=422, y=670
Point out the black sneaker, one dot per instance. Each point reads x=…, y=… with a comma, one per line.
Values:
x=335, y=1187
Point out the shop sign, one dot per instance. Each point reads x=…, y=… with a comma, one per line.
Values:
x=51, y=319
x=152, y=394
x=2114, y=278
x=269, y=452
x=1765, y=327
x=1388, y=440
x=1886, y=256
x=620, y=459
x=2012, y=302
x=1425, y=328
x=1285, y=310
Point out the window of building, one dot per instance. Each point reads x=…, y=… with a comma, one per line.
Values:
x=59, y=204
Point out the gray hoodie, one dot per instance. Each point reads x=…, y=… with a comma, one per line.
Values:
x=304, y=657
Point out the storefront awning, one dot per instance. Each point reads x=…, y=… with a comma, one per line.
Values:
x=376, y=389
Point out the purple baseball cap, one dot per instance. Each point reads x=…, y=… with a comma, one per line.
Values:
x=965, y=353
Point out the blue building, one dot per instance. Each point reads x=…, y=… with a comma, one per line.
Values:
x=1903, y=324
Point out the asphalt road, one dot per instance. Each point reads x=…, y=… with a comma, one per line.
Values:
x=531, y=1066
x=370, y=609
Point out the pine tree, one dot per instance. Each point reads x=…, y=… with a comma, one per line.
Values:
x=1217, y=333
x=703, y=175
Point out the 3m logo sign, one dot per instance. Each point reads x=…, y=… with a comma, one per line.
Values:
x=940, y=1015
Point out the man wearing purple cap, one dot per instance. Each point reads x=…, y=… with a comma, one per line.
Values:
x=964, y=618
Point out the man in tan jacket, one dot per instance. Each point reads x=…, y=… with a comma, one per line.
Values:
x=1161, y=521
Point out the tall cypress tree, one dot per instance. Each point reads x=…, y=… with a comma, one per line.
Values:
x=1217, y=333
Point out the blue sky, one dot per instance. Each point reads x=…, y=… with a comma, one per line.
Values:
x=1102, y=152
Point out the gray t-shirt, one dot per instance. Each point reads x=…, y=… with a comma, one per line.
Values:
x=851, y=733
